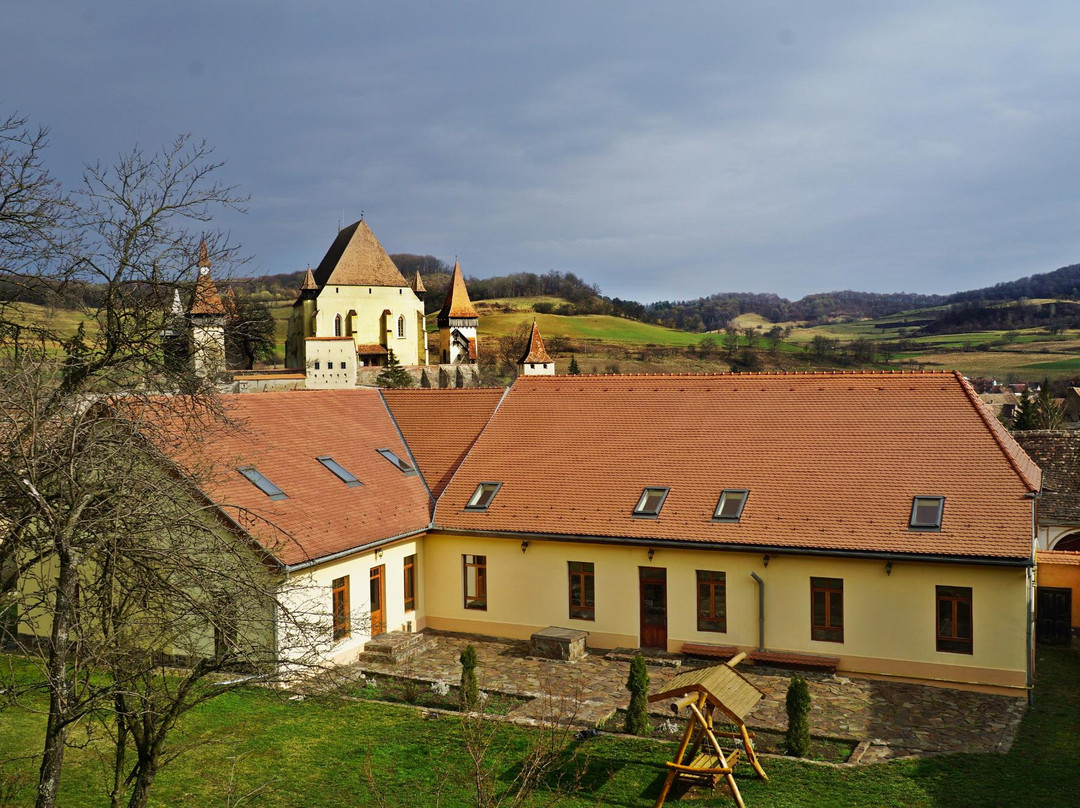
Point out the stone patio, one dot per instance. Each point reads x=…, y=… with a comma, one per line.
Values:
x=891, y=719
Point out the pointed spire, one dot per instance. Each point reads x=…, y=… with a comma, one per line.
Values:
x=204, y=259
x=309, y=281
x=457, y=305
x=418, y=284
x=535, y=352
x=177, y=306
x=206, y=299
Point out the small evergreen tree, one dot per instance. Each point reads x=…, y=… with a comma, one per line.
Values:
x=1025, y=412
x=637, y=714
x=393, y=375
x=797, y=739
x=470, y=690
x=574, y=369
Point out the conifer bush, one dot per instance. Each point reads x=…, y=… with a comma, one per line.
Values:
x=637, y=714
x=575, y=369
x=797, y=738
x=393, y=375
x=470, y=690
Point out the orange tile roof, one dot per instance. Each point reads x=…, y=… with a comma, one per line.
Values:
x=309, y=280
x=534, y=350
x=440, y=426
x=1058, y=557
x=205, y=299
x=281, y=434
x=364, y=349
x=418, y=283
x=472, y=348
x=356, y=258
x=831, y=460
x=457, y=304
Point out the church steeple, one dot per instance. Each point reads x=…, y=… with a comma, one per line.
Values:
x=535, y=361
x=458, y=321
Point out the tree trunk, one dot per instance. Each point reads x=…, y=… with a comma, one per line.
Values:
x=52, y=759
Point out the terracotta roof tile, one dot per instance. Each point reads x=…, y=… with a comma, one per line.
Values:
x=281, y=434
x=831, y=460
x=1058, y=557
x=1058, y=453
x=364, y=349
x=205, y=299
x=356, y=258
x=534, y=351
x=457, y=304
x=309, y=280
x=440, y=426
x=418, y=283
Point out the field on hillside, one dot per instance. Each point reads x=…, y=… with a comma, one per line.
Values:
x=604, y=343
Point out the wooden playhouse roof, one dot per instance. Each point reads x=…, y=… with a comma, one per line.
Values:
x=723, y=686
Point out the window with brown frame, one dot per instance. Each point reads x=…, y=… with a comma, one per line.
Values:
x=475, y=573
x=410, y=583
x=954, y=624
x=827, y=609
x=340, y=600
x=582, y=590
x=711, y=600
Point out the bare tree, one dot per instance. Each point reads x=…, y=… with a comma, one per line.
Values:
x=137, y=593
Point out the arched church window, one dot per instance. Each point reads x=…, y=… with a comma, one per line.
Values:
x=401, y=325
x=1070, y=542
x=337, y=325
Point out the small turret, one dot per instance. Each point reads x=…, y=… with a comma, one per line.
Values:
x=207, y=317
x=535, y=361
x=458, y=321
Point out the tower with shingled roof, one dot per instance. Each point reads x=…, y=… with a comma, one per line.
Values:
x=458, y=322
x=356, y=292
x=535, y=361
x=206, y=314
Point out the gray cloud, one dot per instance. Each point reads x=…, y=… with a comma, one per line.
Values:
x=659, y=152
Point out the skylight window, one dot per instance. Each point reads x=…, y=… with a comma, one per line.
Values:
x=730, y=506
x=481, y=498
x=263, y=484
x=340, y=471
x=652, y=500
x=402, y=465
x=926, y=513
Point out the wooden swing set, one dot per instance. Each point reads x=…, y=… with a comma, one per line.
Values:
x=701, y=757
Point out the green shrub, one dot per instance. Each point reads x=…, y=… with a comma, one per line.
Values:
x=543, y=307
x=797, y=739
x=470, y=690
x=637, y=714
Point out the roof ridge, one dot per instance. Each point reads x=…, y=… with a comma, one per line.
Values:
x=1002, y=437
x=467, y=453
x=761, y=373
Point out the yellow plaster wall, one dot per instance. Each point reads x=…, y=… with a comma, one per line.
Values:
x=889, y=621
x=370, y=302
x=1065, y=576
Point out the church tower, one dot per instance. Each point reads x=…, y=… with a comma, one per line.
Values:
x=207, y=317
x=457, y=323
x=535, y=361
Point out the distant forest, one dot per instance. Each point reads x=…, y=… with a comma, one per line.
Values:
x=977, y=309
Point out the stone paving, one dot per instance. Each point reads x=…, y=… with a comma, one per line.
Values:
x=895, y=719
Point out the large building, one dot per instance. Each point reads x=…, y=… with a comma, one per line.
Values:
x=357, y=292
x=883, y=521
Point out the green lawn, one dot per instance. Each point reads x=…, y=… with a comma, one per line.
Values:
x=327, y=752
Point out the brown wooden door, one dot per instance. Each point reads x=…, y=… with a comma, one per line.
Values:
x=653, y=588
x=1053, y=616
x=378, y=600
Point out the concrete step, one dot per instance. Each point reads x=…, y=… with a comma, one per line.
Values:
x=395, y=647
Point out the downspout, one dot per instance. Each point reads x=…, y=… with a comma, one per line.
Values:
x=761, y=610
x=1031, y=598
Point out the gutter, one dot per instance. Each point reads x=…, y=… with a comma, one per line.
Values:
x=989, y=561
x=1030, y=661
x=375, y=545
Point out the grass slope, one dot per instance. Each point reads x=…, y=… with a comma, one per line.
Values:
x=328, y=752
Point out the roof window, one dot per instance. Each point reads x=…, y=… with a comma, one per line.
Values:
x=263, y=484
x=652, y=500
x=481, y=498
x=340, y=471
x=926, y=513
x=403, y=466
x=730, y=506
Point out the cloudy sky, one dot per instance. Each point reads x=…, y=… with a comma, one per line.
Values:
x=660, y=150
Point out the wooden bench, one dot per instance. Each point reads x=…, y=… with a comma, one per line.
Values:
x=707, y=766
x=701, y=649
x=797, y=661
